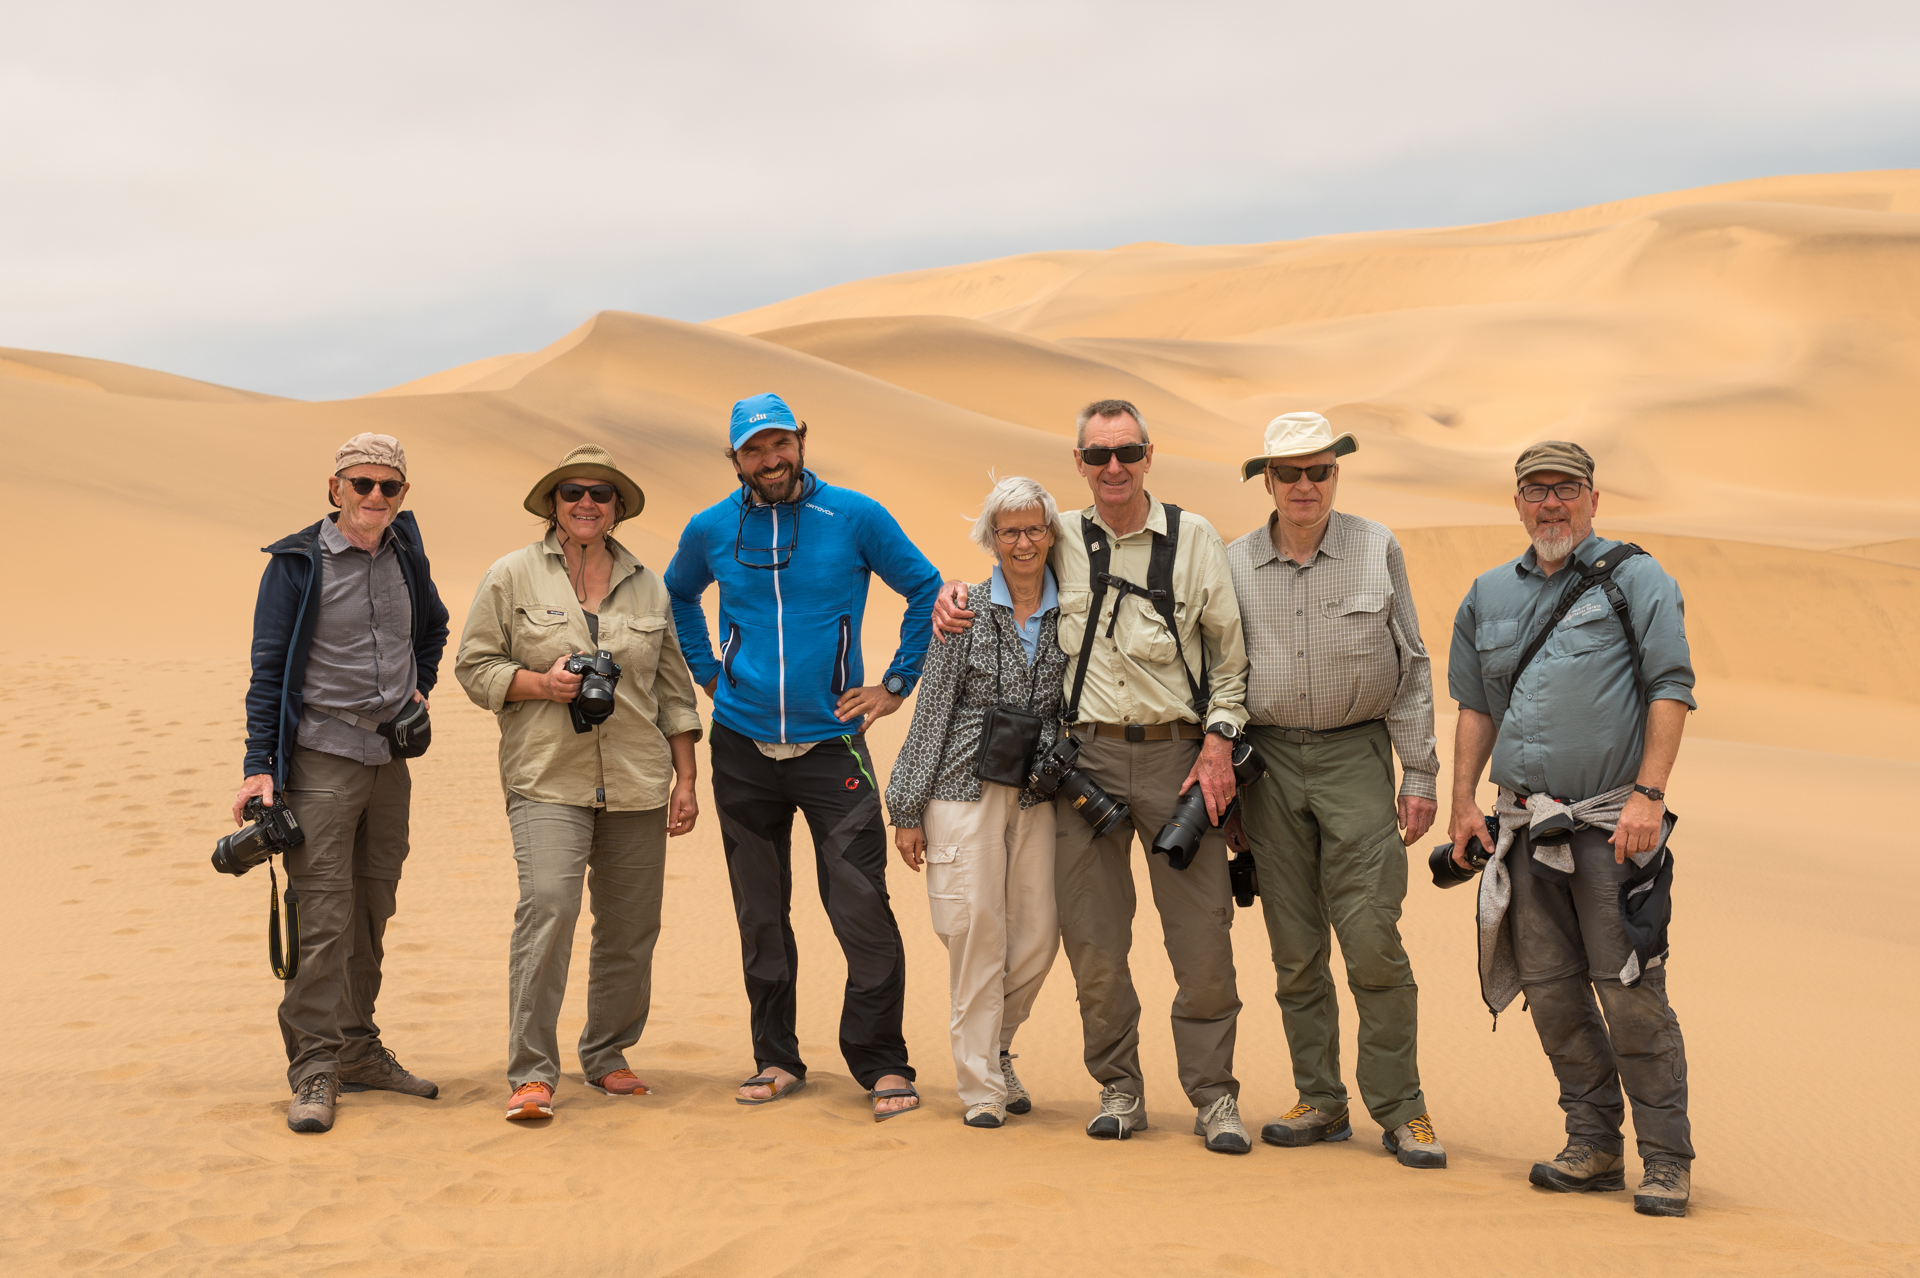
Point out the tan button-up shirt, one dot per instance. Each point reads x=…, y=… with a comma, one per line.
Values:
x=1134, y=675
x=524, y=616
x=1336, y=640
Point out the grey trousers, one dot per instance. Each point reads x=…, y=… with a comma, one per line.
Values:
x=346, y=876
x=1093, y=886
x=620, y=859
x=1569, y=945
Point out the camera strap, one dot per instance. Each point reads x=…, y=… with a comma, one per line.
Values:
x=1601, y=575
x=285, y=962
x=1158, y=593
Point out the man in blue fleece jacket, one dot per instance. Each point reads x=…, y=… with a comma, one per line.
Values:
x=792, y=556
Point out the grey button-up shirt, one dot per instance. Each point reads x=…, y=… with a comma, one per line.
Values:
x=1575, y=726
x=361, y=660
x=1336, y=640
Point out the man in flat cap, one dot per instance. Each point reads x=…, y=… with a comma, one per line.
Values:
x=1338, y=681
x=347, y=634
x=1571, y=668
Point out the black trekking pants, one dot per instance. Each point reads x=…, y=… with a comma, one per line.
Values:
x=833, y=786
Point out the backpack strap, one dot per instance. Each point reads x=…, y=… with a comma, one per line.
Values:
x=1158, y=593
x=1099, y=556
x=1601, y=575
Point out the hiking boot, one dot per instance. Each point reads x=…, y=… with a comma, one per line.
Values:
x=1582, y=1167
x=622, y=1082
x=1121, y=1115
x=986, y=1116
x=1219, y=1124
x=381, y=1072
x=311, y=1109
x=1018, y=1102
x=530, y=1100
x=1665, y=1184
x=1414, y=1144
x=1304, y=1125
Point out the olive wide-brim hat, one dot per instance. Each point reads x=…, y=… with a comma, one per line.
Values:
x=589, y=461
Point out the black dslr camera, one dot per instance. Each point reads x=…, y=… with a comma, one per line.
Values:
x=593, y=704
x=1180, y=837
x=1447, y=872
x=1054, y=773
x=272, y=829
x=1244, y=877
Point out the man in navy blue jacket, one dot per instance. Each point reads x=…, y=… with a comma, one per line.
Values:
x=792, y=556
x=347, y=631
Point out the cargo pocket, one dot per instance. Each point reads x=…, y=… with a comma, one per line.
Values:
x=947, y=890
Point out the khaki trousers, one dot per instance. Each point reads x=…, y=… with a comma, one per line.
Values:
x=990, y=886
x=1093, y=881
x=1325, y=840
x=346, y=876
x=620, y=859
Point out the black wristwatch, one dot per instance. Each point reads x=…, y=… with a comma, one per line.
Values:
x=1226, y=730
x=895, y=684
x=1658, y=796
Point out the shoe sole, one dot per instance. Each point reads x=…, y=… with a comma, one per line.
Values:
x=1292, y=1140
x=1659, y=1207
x=397, y=1091
x=309, y=1125
x=1546, y=1177
x=1021, y=1106
x=530, y=1110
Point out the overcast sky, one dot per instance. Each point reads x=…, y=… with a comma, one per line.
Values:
x=321, y=200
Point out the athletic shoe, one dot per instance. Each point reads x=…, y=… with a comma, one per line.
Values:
x=1219, y=1125
x=1018, y=1102
x=986, y=1116
x=1414, y=1144
x=1121, y=1115
x=622, y=1082
x=530, y=1100
x=1305, y=1125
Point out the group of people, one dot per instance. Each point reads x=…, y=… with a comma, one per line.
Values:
x=1120, y=670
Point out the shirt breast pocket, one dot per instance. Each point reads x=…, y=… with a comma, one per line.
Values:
x=1143, y=635
x=1358, y=623
x=1499, y=647
x=539, y=636
x=639, y=640
x=1586, y=630
x=1073, y=619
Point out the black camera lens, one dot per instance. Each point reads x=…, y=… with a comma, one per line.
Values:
x=1180, y=837
x=593, y=704
x=269, y=830
x=240, y=851
x=1447, y=872
x=1098, y=808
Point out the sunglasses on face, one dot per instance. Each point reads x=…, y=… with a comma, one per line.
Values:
x=1127, y=453
x=389, y=488
x=1291, y=474
x=602, y=494
x=1568, y=491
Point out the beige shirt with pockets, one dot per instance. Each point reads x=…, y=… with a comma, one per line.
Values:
x=524, y=616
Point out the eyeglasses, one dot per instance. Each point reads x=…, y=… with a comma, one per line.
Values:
x=1012, y=536
x=1291, y=474
x=1127, y=453
x=1538, y=492
x=602, y=494
x=388, y=487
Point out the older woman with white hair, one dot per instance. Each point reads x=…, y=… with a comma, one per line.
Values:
x=987, y=704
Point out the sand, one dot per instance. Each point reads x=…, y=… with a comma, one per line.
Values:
x=1732, y=356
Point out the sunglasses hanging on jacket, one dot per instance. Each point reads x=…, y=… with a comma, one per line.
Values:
x=782, y=538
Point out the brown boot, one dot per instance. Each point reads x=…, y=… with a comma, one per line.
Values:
x=1414, y=1144
x=1305, y=1125
x=1582, y=1167
x=381, y=1071
x=311, y=1109
x=1665, y=1184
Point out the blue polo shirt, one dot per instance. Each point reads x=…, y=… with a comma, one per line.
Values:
x=1049, y=600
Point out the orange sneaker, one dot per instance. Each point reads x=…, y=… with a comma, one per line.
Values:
x=622, y=1082
x=530, y=1100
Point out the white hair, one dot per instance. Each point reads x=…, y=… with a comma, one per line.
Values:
x=1015, y=492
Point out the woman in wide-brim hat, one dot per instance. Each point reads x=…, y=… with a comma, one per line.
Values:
x=582, y=794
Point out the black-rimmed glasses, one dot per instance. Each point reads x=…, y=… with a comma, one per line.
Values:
x=1569, y=491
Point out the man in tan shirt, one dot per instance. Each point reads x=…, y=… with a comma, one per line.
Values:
x=1337, y=674
x=1156, y=715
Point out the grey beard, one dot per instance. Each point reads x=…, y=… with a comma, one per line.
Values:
x=1555, y=545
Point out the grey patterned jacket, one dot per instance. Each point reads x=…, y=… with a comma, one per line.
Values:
x=957, y=688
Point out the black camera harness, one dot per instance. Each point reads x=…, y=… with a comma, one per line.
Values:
x=1158, y=593
x=1601, y=575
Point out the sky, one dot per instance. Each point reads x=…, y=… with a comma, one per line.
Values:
x=319, y=201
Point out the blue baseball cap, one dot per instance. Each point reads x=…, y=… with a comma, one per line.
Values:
x=758, y=413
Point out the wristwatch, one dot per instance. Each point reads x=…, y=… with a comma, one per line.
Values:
x=1658, y=796
x=895, y=684
x=1224, y=729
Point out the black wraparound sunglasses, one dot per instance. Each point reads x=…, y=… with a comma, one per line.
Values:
x=388, y=487
x=602, y=494
x=1127, y=453
x=1291, y=474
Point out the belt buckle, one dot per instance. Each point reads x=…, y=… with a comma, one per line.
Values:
x=1136, y=732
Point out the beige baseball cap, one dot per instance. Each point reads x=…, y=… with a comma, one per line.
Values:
x=369, y=449
x=1555, y=454
x=1298, y=435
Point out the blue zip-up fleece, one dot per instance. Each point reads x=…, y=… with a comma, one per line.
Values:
x=790, y=636
x=283, y=621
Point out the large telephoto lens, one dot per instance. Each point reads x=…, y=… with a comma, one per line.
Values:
x=1098, y=808
x=1180, y=837
x=240, y=851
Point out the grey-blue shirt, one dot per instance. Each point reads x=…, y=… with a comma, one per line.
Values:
x=1575, y=726
x=1002, y=594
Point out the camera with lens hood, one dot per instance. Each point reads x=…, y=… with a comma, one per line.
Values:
x=1054, y=774
x=270, y=830
x=593, y=704
x=1447, y=872
x=1180, y=837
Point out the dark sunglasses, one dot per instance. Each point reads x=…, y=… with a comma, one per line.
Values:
x=1291, y=474
x=1127, y=453
x=388, y=487
x=602, y=494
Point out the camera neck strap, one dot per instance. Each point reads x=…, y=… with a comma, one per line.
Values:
x=999, y=651
x=1601, y=575
x=1158, y=593
x=285, y=962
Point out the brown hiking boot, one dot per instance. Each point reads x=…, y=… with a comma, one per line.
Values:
x=311, y=1109
x=1582, y=1167
x=1414, y=1144
x=1665, y=1184
x=381, y=1071
x=1304, y=1125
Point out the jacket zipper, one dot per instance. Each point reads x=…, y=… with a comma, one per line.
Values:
x=779, y=621
x=728, y=651
x=842, y=667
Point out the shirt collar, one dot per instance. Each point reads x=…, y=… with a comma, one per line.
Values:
x=336, y=541
x=1156, y=519
x=622, y=558
x=1334, y=544
x=1529, y=563
x=1000, y=594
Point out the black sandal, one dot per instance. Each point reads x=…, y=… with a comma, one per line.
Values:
x=888, y=1094
x=779, y=1092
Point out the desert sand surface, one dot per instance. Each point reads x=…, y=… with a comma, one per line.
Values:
x=1744, y=361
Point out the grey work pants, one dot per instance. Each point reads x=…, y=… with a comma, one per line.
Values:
x=1093, y=886
x=620, y=860
x=1569, y=945
x=345, y=876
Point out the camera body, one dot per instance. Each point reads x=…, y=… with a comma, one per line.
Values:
x=593, y=704
x=270, y=830
x=1054, y=774
x=1244, y=877
x=1447, y=872
x=1180, y=837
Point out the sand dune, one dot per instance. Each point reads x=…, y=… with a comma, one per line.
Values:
x=1743, y=360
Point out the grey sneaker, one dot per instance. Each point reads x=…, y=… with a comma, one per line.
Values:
x=1219, y=1125
x=985, y=1116
x=381, y=1071
x=1665, y=1184
x=311, y=1109
x=1121, y=1115
x=1582, y=1167
x=1304, y=1125
x=1018, y=1102
x=1414, y=1144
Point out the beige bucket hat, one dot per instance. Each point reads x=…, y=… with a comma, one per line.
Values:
x=1298, y=435
x=589, y=461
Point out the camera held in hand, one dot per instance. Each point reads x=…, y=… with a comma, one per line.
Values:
x=271, y=830
x=1447, y=872
x=1180, y=837
x=1054, y=774
x=593, y=704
